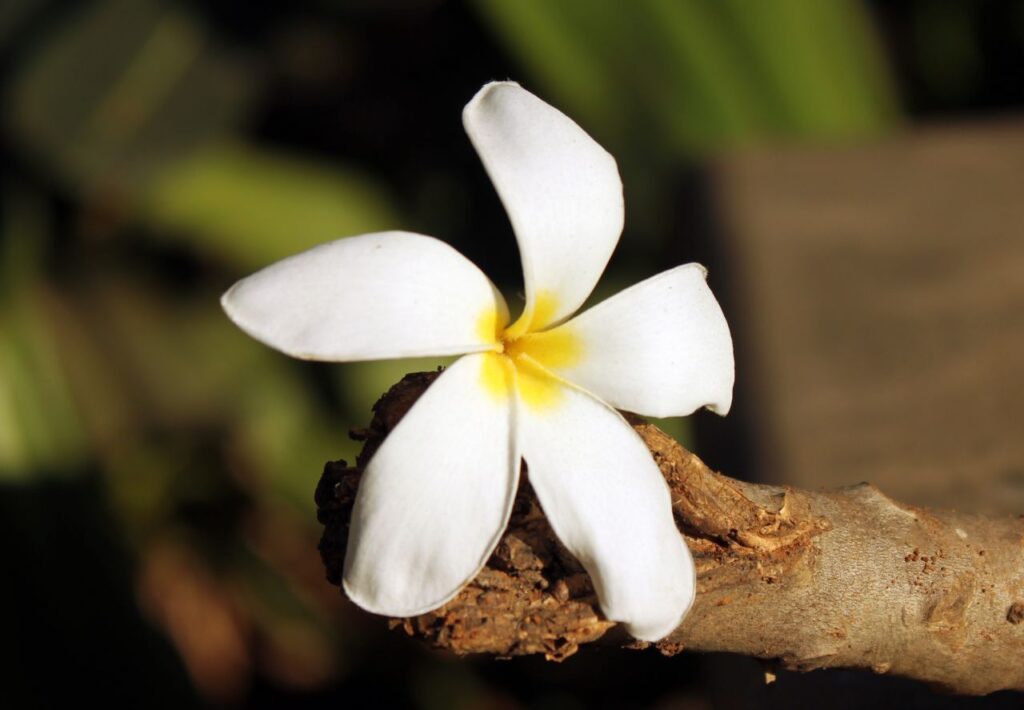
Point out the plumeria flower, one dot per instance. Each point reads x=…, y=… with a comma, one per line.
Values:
x=435, y=498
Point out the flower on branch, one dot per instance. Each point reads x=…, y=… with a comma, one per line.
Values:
x=436, y=497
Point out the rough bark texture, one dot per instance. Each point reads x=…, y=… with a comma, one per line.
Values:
x=810, y=579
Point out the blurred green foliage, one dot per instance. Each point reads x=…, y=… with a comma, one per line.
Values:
x=39, y=426
x=672, y=78
x=251, y=207
x=115, y=89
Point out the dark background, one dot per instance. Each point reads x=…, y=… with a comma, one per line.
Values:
x=157, y=531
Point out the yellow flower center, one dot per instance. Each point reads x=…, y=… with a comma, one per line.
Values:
x=524, y=354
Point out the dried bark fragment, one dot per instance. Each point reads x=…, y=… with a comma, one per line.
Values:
x=808, y=579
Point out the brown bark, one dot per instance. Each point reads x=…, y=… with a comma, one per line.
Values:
x=809, y=579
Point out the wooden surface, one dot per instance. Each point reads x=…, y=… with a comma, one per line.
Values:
x=880, y=295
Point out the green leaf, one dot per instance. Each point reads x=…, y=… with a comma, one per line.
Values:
x=40, y=431
x=252, y=207
x=664, y=79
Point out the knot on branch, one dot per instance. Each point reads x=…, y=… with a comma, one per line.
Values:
x=747, y=519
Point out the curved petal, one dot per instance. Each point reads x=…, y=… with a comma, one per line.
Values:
x=375, y=296
x=609, y=504
x=660, y=348
x=435, y=498
x=561, y=190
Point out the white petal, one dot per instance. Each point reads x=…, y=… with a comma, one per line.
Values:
x=376, y=296
x=560, y=188
x=435, y=498
x=660, y=348
x=609, y=504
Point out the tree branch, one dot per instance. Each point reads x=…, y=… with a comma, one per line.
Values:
x=810, y=579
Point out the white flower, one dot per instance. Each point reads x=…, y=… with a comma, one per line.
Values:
x=437, y=495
